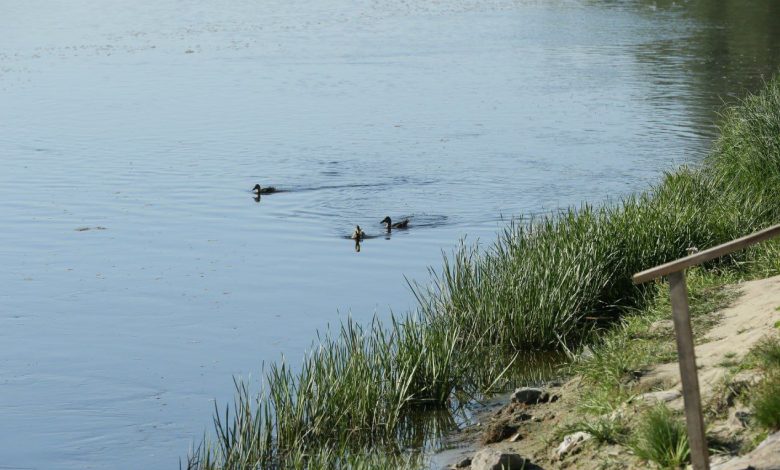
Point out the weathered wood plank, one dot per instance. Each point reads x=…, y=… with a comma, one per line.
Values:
x=706, y=255
x=690, y=380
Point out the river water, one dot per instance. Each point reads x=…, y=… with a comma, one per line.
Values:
x=139, y=274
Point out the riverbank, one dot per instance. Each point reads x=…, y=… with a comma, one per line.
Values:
x=598, y=418
x=559, y=282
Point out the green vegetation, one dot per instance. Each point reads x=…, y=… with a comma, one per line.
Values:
x=766, y=404
x=553, y=282
x=766, y=401
x=604, y=429
x=767, y=354
x=661, y=437
x=643, y=338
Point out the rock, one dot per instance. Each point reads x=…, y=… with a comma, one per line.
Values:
x=513, y=412
x=494, y=459
x=739, y=418
x=463, y=463
x=719, y=459
x=764, y=457
x=744, y=380
x=723, y=432
x=661, y=328
x=586, y=354
x=735, y=387
x=615, y=415
x=632, y=377
x=498, y=432
x=530, y=395
x=743, y=416
x=570, y=443
x=614, y=451
x=663, y=396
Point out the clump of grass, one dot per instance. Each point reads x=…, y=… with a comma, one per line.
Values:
x=604, y=429
x=766, y=402
x=620, y=355
x=613, y=368
x=744, y=163
x=767, y=354
x=661, y=437
x=355, y=389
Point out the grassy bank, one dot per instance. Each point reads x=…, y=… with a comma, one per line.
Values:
x=618, y=396
x=548, y=283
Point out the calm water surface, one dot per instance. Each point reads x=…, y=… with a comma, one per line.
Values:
x=139, y=275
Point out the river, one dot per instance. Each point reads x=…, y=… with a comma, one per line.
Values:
x=140, y=275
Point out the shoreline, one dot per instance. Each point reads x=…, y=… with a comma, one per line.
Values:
x=544, y=434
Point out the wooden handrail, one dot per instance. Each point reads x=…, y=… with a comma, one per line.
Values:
x=706, y=255
x=678, y=292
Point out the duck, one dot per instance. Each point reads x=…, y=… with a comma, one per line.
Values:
x=390, y=225
x=358, y=234
x=268, y=190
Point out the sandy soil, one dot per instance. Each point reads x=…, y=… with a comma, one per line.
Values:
x=530, y=430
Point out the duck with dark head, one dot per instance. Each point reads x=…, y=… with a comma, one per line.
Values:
x=389, y=225
x=260, y=190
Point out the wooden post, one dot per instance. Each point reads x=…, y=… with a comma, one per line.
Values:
x=682, y=326
x=688, y=372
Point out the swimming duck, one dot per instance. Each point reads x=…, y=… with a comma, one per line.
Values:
x=258, y=190
x=358, y=234
x=390, y=225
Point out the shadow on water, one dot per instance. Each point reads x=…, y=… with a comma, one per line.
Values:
x=430, y=431
x=726, y=48
x=427, y=430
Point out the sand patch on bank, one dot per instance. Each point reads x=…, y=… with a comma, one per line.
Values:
x=533, y=431
x=752, y=317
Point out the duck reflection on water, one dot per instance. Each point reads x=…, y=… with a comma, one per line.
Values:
x=358, y=235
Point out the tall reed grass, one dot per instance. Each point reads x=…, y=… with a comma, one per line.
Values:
x=547, y=283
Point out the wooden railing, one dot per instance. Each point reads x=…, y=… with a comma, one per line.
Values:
x=675, y=271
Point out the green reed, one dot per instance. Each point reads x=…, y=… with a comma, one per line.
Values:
x=661, y=438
